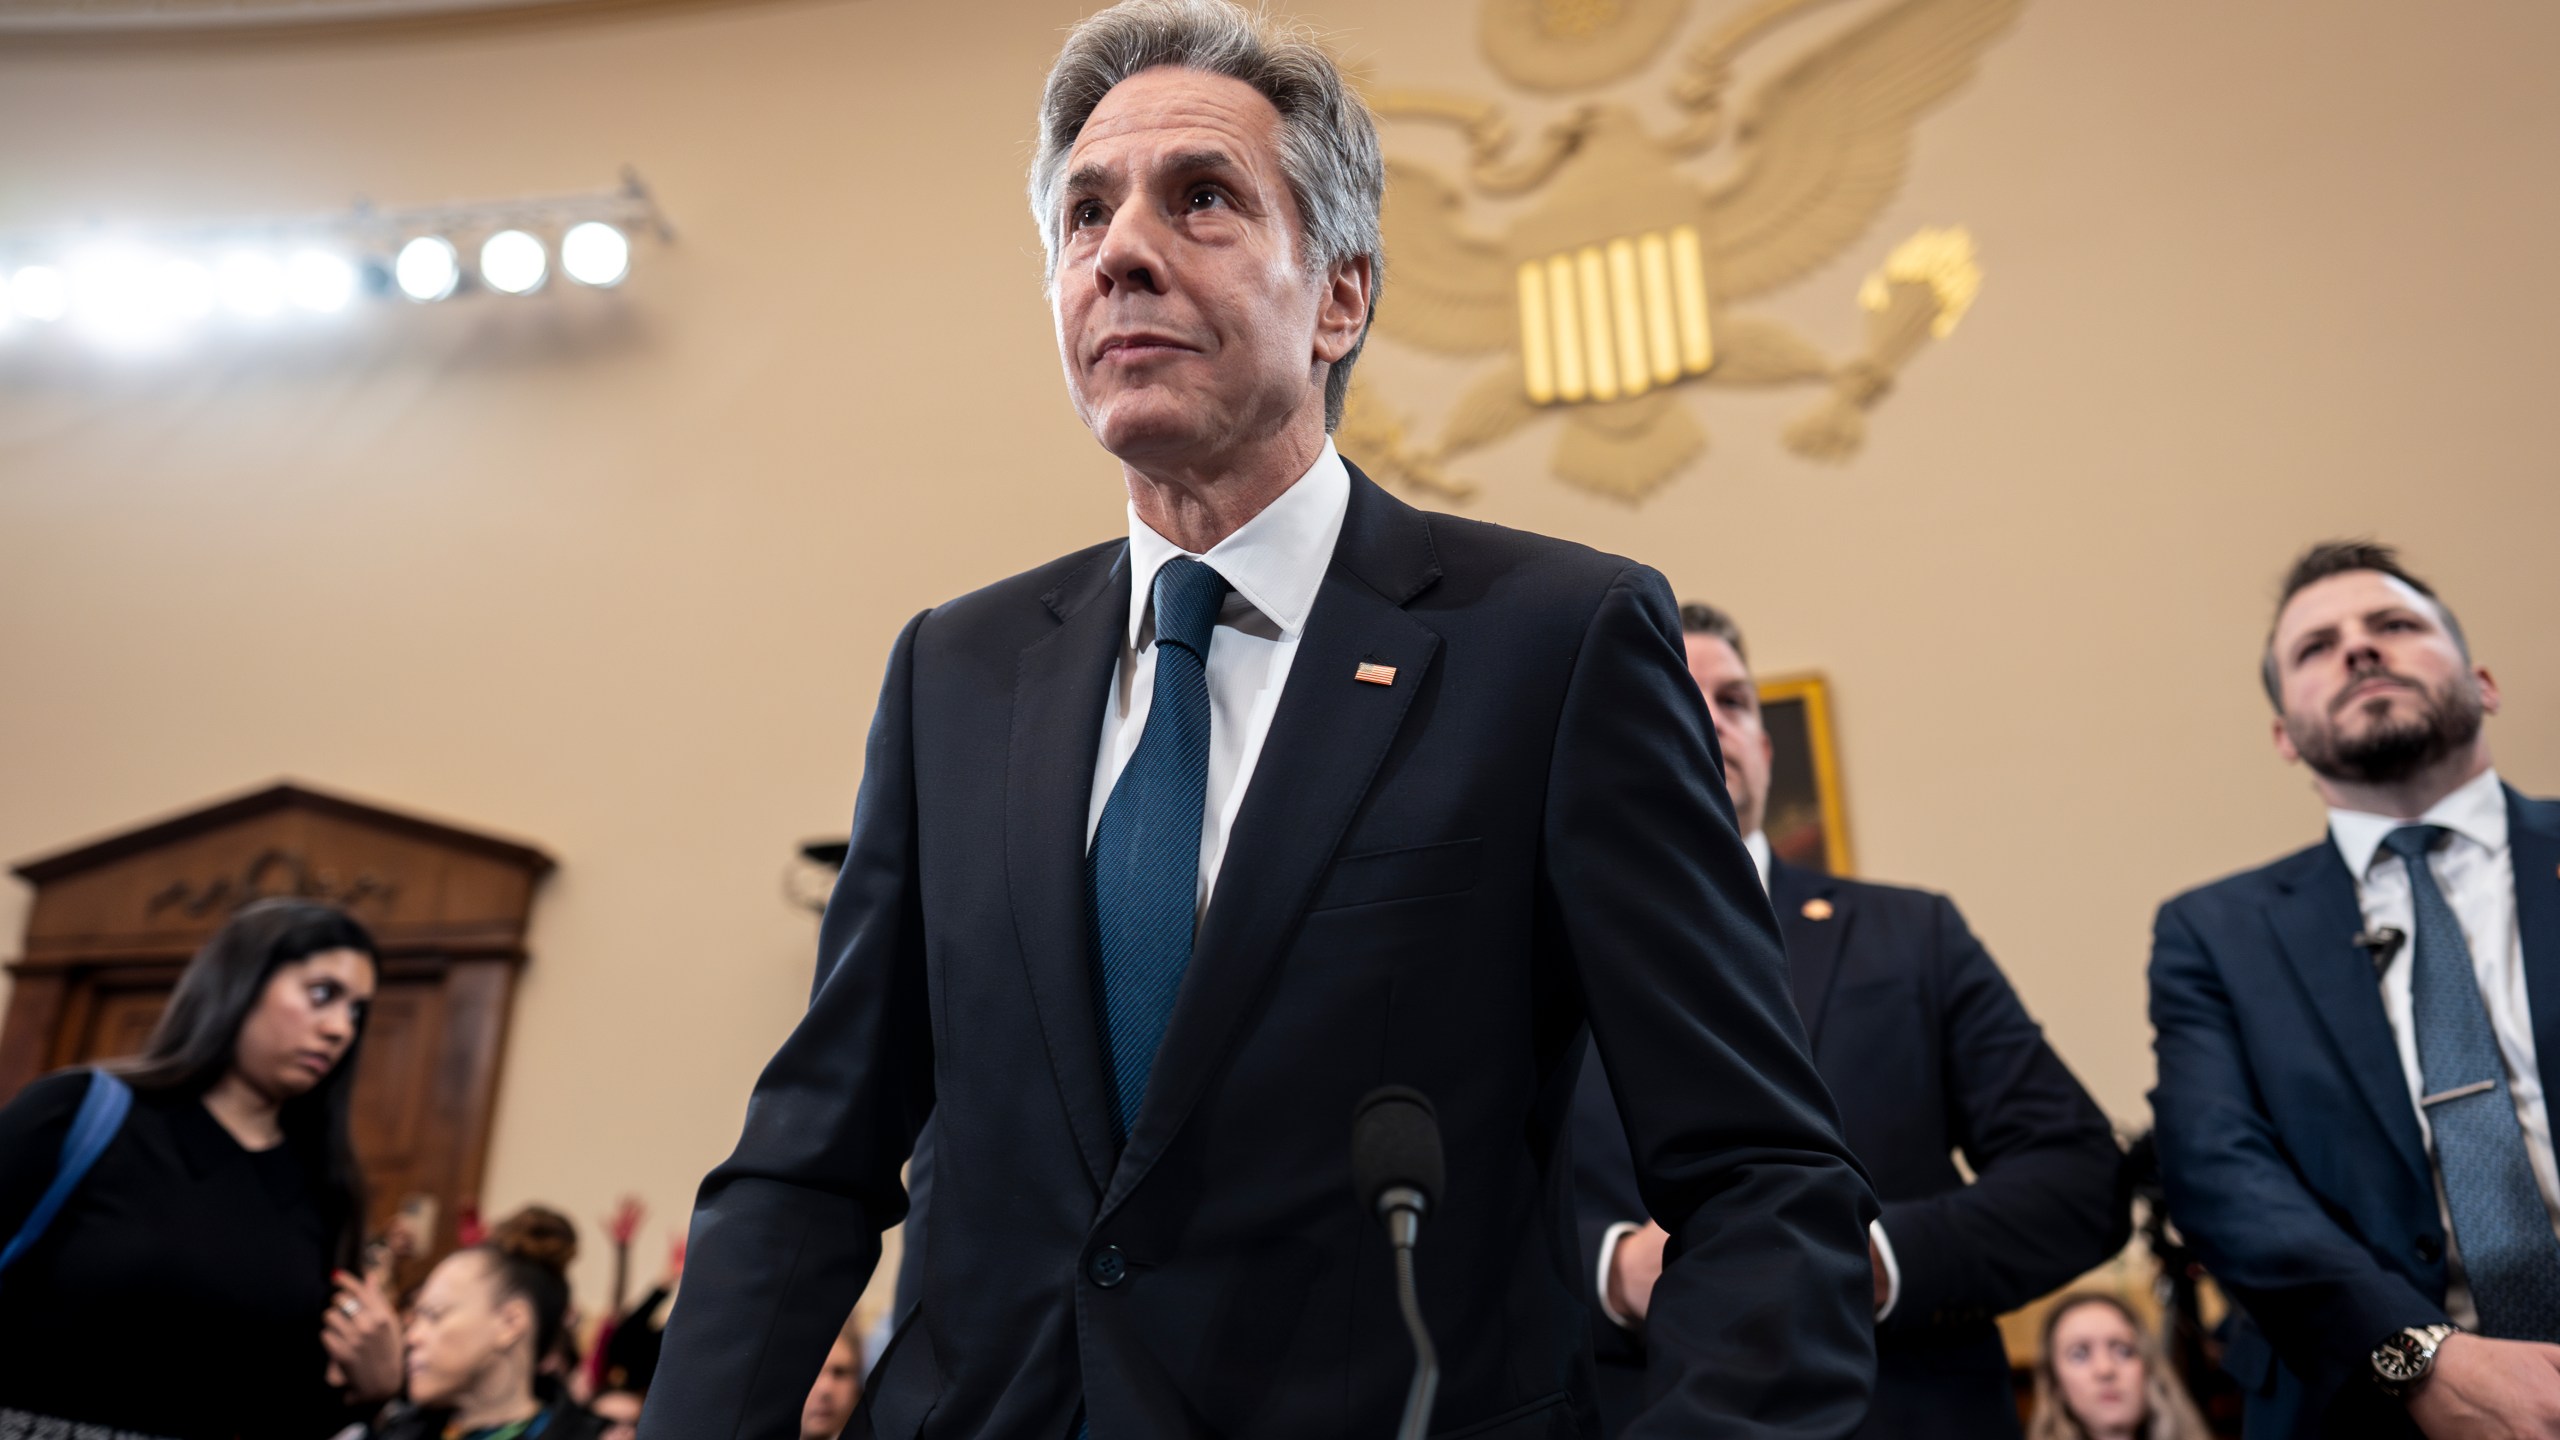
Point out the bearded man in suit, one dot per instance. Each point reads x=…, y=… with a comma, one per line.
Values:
x=2357, y=1043
x=1171, y=849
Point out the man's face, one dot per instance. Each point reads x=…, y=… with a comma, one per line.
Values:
x=831, y=1400
x=2371, y=685
x=1734, y=701
x=1187, y=326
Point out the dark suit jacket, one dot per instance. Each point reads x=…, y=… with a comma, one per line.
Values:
x=2288, y=1146
x=1927, y=1051
x=1437, y=883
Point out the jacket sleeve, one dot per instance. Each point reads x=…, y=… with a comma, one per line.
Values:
x=2323, y=1300
x=787, y=1229
x=1762, y=1324
x=2048, y=1202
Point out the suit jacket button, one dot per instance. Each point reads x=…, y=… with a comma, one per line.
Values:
x=2430, y=1249
x=1108, y=1267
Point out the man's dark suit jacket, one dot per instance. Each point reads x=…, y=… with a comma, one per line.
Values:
x=2288, y=1146
x=1434, y=883
x=1927, y=1051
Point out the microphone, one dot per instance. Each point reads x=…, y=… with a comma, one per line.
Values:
x=1396, y=1171
x=2381, y=945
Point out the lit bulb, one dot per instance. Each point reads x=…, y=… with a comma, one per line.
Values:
x=250, y=284
x=181, y=292
x=40, y=293
x=320, y=282
x=513, y=261
x=594, y=253
x=427, y=269
x=111, y=293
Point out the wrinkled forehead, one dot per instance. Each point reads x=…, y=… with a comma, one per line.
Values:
x=1171, y=111
x=2337, y=600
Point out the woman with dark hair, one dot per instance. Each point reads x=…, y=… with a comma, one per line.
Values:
x=2101, y=1377
x=478, y=1334
x=197, y=1283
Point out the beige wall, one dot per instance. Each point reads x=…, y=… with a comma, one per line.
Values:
x=617, y=574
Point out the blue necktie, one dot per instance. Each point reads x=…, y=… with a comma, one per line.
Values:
x=2503, y=1230
x=1143, y=873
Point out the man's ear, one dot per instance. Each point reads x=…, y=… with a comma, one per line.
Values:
x=2284, y=741
x=2488, y=684
x=1342, y=310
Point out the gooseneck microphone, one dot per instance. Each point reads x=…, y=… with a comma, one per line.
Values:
x=1396, y=1171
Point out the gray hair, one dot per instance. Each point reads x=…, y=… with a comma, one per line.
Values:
x=1328, y=143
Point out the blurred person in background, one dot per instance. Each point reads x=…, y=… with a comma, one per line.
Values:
x=2100, y=1376
x=839, y=1388
x=213, y=1242
x=541, y=1230
x=484, y=1322
x=1927, y=1052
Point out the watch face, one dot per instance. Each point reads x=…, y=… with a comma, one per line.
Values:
x=2399, y=1359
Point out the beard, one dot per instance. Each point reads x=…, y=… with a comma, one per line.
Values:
x=2448, y=720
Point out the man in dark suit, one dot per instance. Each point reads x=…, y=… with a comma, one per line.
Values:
x=1927, y=1051
x=2355, y=1043
x=1170, y=850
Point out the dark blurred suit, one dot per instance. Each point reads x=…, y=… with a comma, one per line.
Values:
x=1437, y=883
x=1927, y=1051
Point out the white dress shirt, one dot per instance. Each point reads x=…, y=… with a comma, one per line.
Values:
x=1758, y=844
x=1275, y=564
x=2477, y=874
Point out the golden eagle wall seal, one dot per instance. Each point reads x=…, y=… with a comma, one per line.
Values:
x=1615, y=284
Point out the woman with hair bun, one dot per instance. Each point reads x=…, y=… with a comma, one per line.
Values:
x=196, y=1281
x=477, y=1337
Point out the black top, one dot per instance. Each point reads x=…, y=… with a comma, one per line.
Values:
x=562, y=1419
x=181, y=1290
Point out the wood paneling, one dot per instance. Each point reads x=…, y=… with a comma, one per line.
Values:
x=115, y=920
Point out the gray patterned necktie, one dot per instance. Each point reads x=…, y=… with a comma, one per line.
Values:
x=2500, y=1224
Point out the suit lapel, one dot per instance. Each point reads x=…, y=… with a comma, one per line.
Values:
x=1813, y=946
x=1060, y=686
x=1325, y=744
x=2533, y=844
x=2316, y=918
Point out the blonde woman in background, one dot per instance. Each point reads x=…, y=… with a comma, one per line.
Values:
x=2100, y=1377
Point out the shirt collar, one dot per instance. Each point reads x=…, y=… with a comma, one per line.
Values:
x=2477, y=812
x=1275, y=562
x=1757, y=842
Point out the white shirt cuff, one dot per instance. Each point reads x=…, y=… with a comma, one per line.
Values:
x=1608, y=1252
x=1892, y=1271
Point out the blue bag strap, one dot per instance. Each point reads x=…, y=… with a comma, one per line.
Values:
x=101, y=1115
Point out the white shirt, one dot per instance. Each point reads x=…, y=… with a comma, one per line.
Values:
x=1758, y=844
x=2477, y=874
x=1275, y=563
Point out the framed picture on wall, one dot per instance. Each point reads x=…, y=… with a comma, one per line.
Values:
x=1808, y=819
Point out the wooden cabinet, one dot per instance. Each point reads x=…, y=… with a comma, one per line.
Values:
x=114, y=922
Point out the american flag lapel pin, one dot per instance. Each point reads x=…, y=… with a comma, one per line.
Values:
x=1373, y=673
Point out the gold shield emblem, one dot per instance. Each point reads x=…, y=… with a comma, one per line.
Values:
x=1616, y=284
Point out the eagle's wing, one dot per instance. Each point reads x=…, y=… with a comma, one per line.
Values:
x=1447, y=289
x=1825, y=142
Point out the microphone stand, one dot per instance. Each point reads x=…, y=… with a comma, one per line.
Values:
x=1402, y=1207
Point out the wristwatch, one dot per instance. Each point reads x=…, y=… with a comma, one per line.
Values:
x=2407, y=1357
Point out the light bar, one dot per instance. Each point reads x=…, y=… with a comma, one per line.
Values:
x=147, y=287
